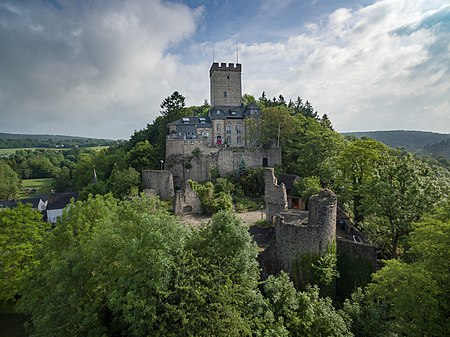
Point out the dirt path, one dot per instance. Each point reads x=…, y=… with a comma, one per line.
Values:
x=248, y=217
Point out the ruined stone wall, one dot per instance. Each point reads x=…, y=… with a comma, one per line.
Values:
x=227, y=160
x=185, y=147
x=275, y=195
x=187, y=201
x=159, y=182
x=358, y=250
x=300, y=232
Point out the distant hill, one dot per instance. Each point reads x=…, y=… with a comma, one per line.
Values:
x=439, y=149
x=413, y=141
x=13, y=140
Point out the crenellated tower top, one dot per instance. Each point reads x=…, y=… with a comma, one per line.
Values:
x=225, y=84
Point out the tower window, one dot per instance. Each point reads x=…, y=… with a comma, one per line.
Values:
x=225, y=94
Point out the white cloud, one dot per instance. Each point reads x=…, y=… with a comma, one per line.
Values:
x=352, y=65
x=88, y=69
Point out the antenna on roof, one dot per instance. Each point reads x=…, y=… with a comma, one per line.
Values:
x=237, y=54
x=214, y=51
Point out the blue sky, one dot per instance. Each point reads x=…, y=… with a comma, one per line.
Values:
x=101, y=68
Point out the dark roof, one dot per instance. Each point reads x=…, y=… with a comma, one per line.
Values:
x=60, y=200
x=8, y=203
x=33, y=201
x=227, y=112
x=193, y=122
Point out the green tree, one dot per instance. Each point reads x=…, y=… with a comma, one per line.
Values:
x=247, y=99
x=410, y=296
x=172, y=104
x=9, y=182
x=307, y=187
x=122, y=183
x=21, y=234
x=143, y=156
x=304, y=313
x=397, y=195
x=105, y=270
x=356, y=165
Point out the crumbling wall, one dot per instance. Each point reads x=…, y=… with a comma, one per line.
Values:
x=300, y=232
x=275, y=195
x=158, y=182
x=187, y=201
x=184, y=165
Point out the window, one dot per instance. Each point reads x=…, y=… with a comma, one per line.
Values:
x=228, y=129
x=238, y=129
x=219, y=140
x=218, y=111
x=228, y=77
x=238, y=140
x=229, y=140
x=225, y=94
x=218, y=128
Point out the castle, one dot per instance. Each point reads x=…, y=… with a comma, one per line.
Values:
x=221, y=141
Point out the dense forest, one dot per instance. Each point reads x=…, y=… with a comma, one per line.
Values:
x=119, y=264
x=14, y=141
x=421, y=142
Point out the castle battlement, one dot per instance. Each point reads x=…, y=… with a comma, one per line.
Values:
x=224, y=67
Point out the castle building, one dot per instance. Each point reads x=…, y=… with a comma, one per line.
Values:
x=223, y=139
x=226, y=121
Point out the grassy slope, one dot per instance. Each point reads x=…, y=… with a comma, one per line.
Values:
x=35, y=187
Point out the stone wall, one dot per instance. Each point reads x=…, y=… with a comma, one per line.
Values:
x=159, y=182
x=300, y=232
x=186, y=201
x=226, y=160
x=358, y=250
x=275, y=195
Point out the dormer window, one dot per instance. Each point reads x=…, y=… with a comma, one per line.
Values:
x=185, y=120
x=202, y=120
x=218, y=111
x=233, y=113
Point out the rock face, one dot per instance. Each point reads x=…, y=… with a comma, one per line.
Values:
x=158, y=182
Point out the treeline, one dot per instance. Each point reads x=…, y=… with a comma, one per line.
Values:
x=52, y=143
x=128, y=268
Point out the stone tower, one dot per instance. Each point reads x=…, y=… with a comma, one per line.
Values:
x=225, y=84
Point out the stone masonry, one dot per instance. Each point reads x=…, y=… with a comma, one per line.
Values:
x=300, y=232
x=158, y=182
x=275, y=195
x=187, y=201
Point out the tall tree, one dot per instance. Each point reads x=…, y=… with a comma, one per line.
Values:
x=399, y=193
x=356, y=168
x=21, y=234
x=9, y=182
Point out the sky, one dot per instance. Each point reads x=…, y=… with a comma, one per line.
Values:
x=101, y=68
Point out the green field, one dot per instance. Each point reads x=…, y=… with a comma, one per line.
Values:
x=35, y=187
x=7, y=152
